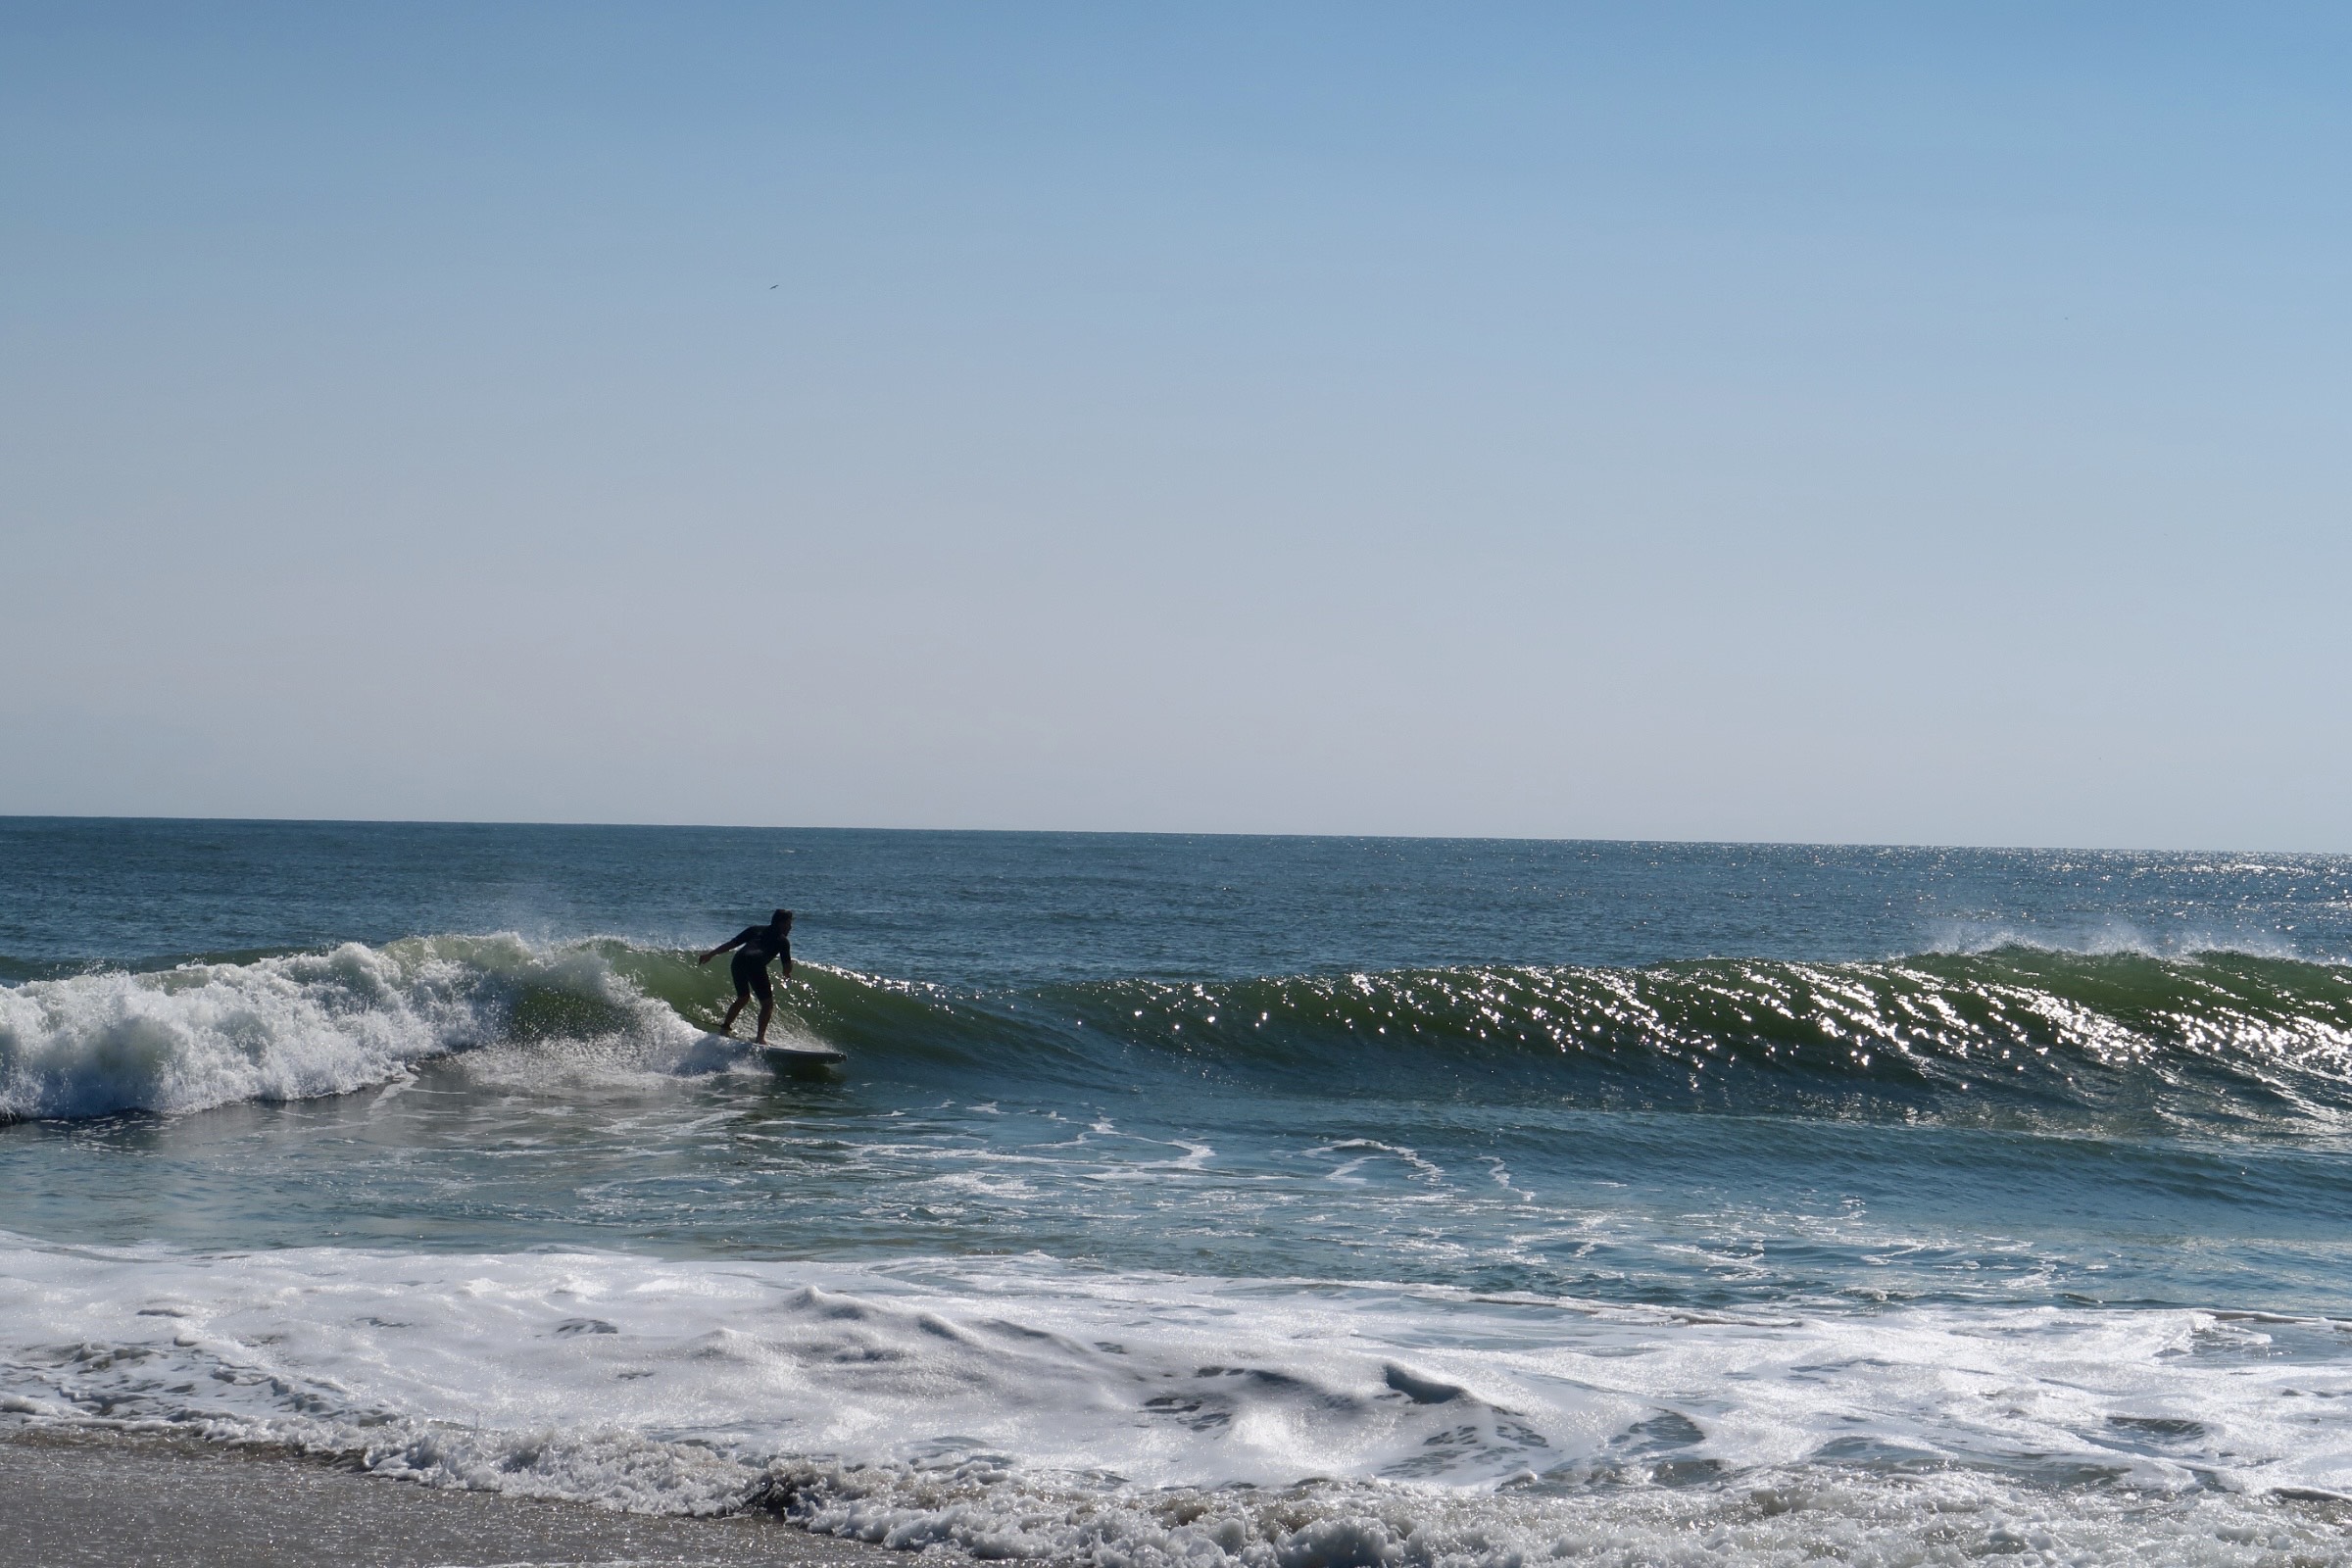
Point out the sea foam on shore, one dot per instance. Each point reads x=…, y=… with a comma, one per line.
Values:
x=1026, y=1409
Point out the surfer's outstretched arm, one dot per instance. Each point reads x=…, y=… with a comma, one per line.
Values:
x=736, y=941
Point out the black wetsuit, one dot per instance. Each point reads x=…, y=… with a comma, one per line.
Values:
x=761, y=946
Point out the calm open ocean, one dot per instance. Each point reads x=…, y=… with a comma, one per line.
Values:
x=1310, y=1202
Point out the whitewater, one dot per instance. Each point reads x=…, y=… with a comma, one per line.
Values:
x=1293, y=1202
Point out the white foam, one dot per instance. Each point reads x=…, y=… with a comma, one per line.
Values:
x=285, y=1028
x=1025, y=1408
x=2117, y=936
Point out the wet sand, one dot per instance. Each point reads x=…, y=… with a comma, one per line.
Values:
x=158, y=1503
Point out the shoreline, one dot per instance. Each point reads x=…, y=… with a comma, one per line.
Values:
x=76, y=1497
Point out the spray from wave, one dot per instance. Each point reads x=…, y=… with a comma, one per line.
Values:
x=297, y=1027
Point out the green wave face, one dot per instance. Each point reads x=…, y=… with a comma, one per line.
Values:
x=2230, y=1042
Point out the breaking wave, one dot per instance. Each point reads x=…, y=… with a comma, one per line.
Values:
x=2223, y=1040
x=296, y=1026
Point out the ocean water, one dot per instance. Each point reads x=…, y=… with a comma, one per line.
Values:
x=1301, y=1203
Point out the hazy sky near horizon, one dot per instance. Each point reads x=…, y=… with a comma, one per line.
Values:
x=1919, y=423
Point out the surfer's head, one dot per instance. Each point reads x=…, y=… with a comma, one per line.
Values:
x=781, y=920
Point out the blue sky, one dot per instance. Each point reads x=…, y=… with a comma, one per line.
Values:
x=1882, y=424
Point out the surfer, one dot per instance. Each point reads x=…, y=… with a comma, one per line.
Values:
x=756, y=947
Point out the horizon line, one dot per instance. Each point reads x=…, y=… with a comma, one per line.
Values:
x=1174, y=833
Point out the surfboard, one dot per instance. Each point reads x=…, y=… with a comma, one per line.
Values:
x=781, y=1057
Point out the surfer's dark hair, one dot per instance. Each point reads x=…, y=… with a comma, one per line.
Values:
x=780, y=917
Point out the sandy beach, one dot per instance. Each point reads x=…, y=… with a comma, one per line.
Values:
x=160, y=1503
